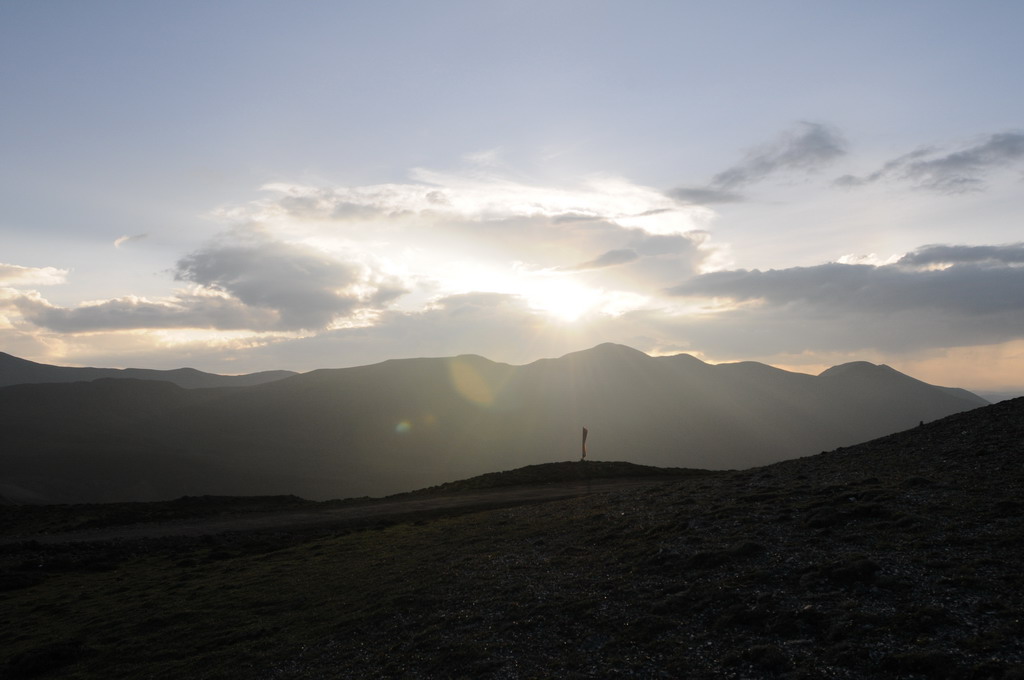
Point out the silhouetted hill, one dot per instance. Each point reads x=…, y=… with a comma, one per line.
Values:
x=557, y=473
x=406, y=424
x=896, y=558
x=15, y=371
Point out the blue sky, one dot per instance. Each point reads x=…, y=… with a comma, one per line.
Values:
x=240, y=186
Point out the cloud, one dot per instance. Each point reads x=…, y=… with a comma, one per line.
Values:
x=891, y=168
x=965, y=289
x=684, y=251
x=948, y=255
x=438, y=197
x=121, y=240
x=978, y=298
x=308, y=259
x=132, y=313
x=954, y=172
x=488, y=158
x=16, y=275
x=706, y=195
x=305, y=288
x=495, y=234
x=253, y=284
x=641, y=266
x=806, y=147
x=610, y=259
x=836, y=309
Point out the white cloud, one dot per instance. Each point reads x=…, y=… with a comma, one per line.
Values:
x=121, y=240
x=870, y=258
x=477, y=198
x=488, y=158
x=311, y=258
x=459, y=233
x=183, y=310
x=16, y=275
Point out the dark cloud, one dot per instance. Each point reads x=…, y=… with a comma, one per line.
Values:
x=805, y=147
x=648, y=244
x=891, y=167
x=965, y=289
x=463, y=303
x=260, y=286
x=387, y=291
x=705, y=195
x=946, y=255
x=645, y=261
x=354, y=211
x=948, y=173
x=306, y=288
x=569, y=217
x=979, y=299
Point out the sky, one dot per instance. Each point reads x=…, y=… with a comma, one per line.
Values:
x=249, y=185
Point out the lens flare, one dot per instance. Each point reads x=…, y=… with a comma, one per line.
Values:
x=468, y=382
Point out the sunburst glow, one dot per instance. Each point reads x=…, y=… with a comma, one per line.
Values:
x=564, y=300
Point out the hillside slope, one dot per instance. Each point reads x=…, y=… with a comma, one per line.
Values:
x=897, y=558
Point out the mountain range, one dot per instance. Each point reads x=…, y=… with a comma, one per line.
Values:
x=410, y=423
x=15, y=371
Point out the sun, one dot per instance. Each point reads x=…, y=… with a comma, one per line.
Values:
x=564, y=300
x=549, y=292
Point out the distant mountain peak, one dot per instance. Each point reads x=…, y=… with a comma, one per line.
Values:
x=609, y=350
x=859, y=367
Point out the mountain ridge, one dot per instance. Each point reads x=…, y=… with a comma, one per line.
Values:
x=404, y=424
x=17, y=371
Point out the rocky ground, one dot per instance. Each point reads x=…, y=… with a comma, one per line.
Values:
x=899, y=558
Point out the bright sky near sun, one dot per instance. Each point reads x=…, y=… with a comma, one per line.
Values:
x=250, y=185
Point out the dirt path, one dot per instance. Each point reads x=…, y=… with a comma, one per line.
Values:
x=372, y=510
